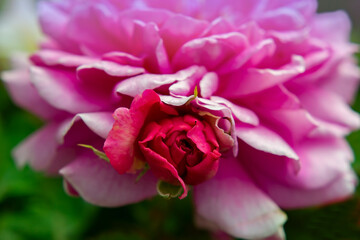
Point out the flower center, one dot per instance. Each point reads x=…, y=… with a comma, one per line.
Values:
x=185, y=145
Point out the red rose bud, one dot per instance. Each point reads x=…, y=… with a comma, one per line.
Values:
x=181, y=149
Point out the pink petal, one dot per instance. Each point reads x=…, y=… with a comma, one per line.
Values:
x=233, y=203
x=101, y=37
x=109, y=68
x=325, y=174
x=209, y=51
x=187, y=86
x=56, y=25
x=208, y=84
x=41, y=151
x=178, y=30
x=136, y=85
x=59, y=58
x=123, y=58
x=255, y=80
x=325, y=23
x=108, y=188
x=295, y=124
x=85, y=127
x=219, y=26
x=329, y=107
x=253, y=54
x=146, y=41
x=264, y=139
x=25, y=95
x=59, y=89
x=344, y=80
x=281, y=19
x=226, y=139
x=284, y=112
x=240, y=113
x=289, y=197
x=32, y=149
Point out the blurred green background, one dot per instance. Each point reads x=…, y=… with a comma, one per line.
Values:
x=34, y=206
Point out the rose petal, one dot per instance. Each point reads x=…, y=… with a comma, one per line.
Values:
x=208, y=84
x=119, y=145
x=178, y=30
x=242, y=114
x=325, y=23
x=204, y=170
x=56, y=25
x=209, y=51
x=25, y=95
x=40, y=150
x=325, y=174
x=136, y=85
x=263, y=139
x=109, y=68
x=58, y=88
x=48, y=57
x=108, y=188
x=255, y=80
x=236, y=205
x=162, y=169
x=123, y=58
x=289, y=197
x=83, y=127
x=329, y=107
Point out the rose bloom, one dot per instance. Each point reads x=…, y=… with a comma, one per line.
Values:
x=245, y=103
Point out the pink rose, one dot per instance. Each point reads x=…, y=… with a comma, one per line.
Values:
x=274, y=82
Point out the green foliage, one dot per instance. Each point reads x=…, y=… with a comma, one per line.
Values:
x=167, y=190
x=98, y=153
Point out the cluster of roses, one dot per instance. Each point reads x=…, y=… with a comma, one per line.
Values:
x=244, y=102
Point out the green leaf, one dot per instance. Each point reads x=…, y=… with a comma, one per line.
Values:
x=168, y=190
x=196, y=93
x=142, y=173
x=98, y=153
